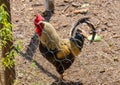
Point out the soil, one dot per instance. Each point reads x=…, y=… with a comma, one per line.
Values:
x=98, y=63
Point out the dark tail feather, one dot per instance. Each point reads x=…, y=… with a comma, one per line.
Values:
x=93, y=30
x=80, y=21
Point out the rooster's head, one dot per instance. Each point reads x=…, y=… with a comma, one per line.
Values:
x=39, y=26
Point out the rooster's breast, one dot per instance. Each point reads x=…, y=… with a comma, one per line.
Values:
x=51, y=55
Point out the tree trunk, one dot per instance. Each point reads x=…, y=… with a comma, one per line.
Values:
x=9, y=73
x=1, y=83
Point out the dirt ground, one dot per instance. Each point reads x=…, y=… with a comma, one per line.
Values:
x=98, y=63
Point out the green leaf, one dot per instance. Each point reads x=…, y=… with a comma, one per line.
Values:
x=96, y=39
x=5, y=36
x=0, y=17
x=33, y=64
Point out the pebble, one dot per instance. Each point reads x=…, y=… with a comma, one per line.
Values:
x=66, y=1
x=116, y=59
x=75, y=4
x=30, y=9
x=102, y=71
x=84, y=5
x=19, y=36
x=23, y=0
x=81, y=11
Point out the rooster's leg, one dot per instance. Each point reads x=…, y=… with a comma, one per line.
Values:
x=61, y=76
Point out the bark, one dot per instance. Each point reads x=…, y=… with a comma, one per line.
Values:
x=1, y=80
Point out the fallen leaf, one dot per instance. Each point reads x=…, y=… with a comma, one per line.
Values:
x=96, y=39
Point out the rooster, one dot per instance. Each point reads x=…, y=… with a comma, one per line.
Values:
x=60, y=52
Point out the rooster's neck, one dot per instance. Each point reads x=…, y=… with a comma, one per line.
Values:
x=49, y=36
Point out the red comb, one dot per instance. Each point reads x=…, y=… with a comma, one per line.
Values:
x=38, y=19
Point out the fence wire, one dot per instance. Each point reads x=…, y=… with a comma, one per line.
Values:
x=82, y=71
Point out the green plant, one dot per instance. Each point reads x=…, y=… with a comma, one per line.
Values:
x=6, y=37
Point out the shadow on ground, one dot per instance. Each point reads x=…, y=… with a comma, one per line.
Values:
x=66, y=83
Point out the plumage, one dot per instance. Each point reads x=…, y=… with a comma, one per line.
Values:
x=60, y=52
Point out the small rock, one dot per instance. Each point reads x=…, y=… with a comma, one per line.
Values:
x=23, y=0
x=76, y=4
x=30, y=9
x=82, y=11
x=19, y=36
x=29, y=78
x=68, y=15
x=107, y=50
x=103, y=29
x=66, y=1
x=116, y=59
x=16, y=20
x=102, y=71
x=20, y=75
x=84, y=5
x=65, y=25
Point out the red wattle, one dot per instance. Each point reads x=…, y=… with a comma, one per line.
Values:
x=38, y=31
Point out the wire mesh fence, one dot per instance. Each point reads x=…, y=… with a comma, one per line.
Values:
x=33, y=69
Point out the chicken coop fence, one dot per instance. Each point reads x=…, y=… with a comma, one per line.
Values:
x=29, y=51
x=34, y=69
